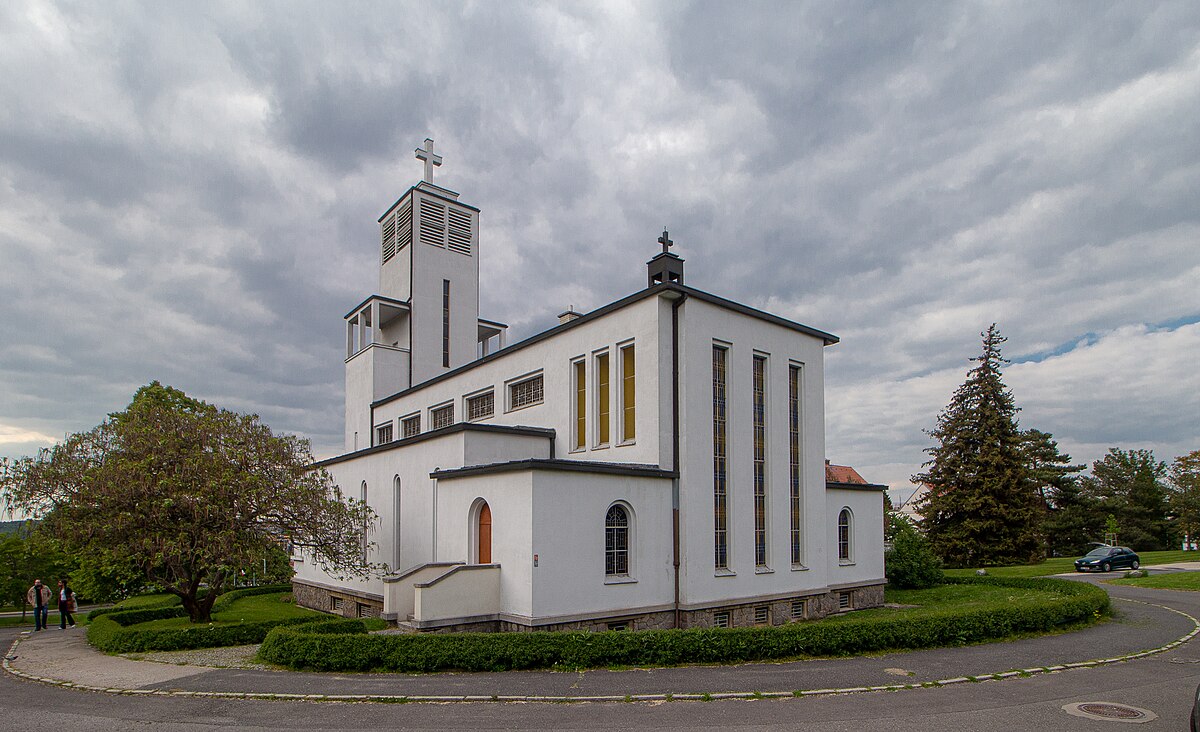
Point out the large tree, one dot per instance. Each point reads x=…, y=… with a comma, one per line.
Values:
x=1184, y=499
x=190, y=493
x=1128, y=484
x=1071, y=520
x=981, y=506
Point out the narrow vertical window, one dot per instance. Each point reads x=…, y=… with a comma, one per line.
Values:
x=616, y=541
x=365, y=524
x=844, y=526
x=794, y=461
x=602, y=400
x=760, y=460
x=720, y=463
x=628, y=395
x=446, y=323
x=580, y=375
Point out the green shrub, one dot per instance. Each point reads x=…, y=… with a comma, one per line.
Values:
x=339, y=645
x=910, y=563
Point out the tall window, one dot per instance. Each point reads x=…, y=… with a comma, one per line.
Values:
x=441, y=417
x=446, y=323
x=628, y=395
x=616, y=541
x=794, y=460
x=760, y=460
x=602, y=400
x=845, y=522
x=579, y=369
x=366, y=523
x=396, y=522
x=720, y=463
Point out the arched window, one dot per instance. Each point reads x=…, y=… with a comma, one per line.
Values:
x=616, y=541
x=845, y=525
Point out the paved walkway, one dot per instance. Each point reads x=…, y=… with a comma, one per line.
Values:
x=1146, y=622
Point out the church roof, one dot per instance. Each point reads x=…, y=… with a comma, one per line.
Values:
x=655, y=290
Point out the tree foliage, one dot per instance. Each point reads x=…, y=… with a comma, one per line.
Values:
x=1128, y=484
x=910, y=563
x=190, y=493
x=1184, y=500
x=24, y=557
x=1071, y=520
x=981, y=506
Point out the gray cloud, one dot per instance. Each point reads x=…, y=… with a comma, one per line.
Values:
x=189, y=193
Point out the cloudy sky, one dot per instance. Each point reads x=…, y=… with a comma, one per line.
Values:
x=189, y=193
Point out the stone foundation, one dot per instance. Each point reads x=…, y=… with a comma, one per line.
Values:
x=773, y=612
x=342, y=602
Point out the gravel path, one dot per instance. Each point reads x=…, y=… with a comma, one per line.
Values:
x=227, y=657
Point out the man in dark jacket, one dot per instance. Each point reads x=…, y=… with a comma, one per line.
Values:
x=39, y=597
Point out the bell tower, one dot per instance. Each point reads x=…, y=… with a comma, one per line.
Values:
x=424, y=320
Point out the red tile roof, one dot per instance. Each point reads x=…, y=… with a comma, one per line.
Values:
x=843, y=474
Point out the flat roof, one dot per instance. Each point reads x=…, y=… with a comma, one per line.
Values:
x=637, y=470
x=546, y=432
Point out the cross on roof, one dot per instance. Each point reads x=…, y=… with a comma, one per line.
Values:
x=427, y=155
x=665, y=241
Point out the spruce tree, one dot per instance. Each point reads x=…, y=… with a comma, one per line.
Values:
x=981, y=507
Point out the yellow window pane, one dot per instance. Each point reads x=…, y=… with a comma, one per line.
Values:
x=628, y=394
x=602, y=399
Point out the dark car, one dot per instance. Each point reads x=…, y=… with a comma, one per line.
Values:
x=1195, y=721
x=1106, y=558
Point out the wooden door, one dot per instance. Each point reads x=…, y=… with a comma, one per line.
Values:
x=485, y=534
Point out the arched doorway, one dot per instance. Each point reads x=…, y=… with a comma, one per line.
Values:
x=484, y=535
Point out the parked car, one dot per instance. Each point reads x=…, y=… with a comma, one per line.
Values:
x=1195, y=720
x=1107, y=558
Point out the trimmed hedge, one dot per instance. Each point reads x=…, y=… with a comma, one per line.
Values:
x=163, y=602
x=116, y=631
x=336, y=646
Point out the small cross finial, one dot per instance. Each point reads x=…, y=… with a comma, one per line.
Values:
x=665, y=241
x=431, y=160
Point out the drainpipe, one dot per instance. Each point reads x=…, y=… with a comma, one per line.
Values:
x=675, y=447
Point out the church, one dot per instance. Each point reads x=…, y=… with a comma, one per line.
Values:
x=655, y=463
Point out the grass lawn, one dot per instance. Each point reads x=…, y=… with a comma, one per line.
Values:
x=1174, y=581
x=1059, y=565
x=246, y=610
x=941, y=598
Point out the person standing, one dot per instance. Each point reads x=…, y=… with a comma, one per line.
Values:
x=39, y=597
x=66, y=603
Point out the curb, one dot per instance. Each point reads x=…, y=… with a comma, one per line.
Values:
x=714, y=696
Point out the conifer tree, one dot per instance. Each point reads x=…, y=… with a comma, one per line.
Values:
x=1129, y=484
x=1185, y=495
x=981, y=507
x=1071, y=519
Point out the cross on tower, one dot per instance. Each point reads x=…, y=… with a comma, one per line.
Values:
x=665, y=241
x=431, y=160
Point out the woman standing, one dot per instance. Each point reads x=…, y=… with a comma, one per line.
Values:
x=66, y=603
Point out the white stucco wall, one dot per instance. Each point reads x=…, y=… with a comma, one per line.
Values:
x=405, y=535
x=637, y=324
x=866, y=541
x=703, y=324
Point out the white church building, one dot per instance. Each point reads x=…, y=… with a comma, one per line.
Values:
x=655, y=463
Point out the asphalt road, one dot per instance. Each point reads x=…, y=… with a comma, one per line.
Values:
x=1164, y=684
